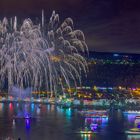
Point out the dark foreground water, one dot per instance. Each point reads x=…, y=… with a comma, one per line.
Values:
x=50, y=122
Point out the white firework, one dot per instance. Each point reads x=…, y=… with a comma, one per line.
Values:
x=31, y=56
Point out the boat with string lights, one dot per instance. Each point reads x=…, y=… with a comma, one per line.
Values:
x=96, y=115
x=92, y=111
x=133, y=131
x=131, y=112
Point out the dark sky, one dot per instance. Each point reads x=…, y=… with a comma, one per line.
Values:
x=109, y=25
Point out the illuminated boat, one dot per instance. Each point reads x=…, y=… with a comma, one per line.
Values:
x=17, y=117
x=85, y=132
x=133, y=131
x=23, y=117
x=92, y=111
x=96, y=115
x=131, y=112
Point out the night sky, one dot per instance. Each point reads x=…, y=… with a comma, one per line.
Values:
x=109, y=25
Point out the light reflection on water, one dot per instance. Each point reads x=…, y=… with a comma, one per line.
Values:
x=87, y=136
x=133, y=137
x=50, y=122
x=27, y=122
x=1, y=107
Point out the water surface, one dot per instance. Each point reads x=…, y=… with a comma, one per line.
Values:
x=50, y=122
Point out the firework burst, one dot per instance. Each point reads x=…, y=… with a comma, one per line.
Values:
x=32, y=56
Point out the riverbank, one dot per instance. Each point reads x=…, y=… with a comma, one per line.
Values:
x=84, y=104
